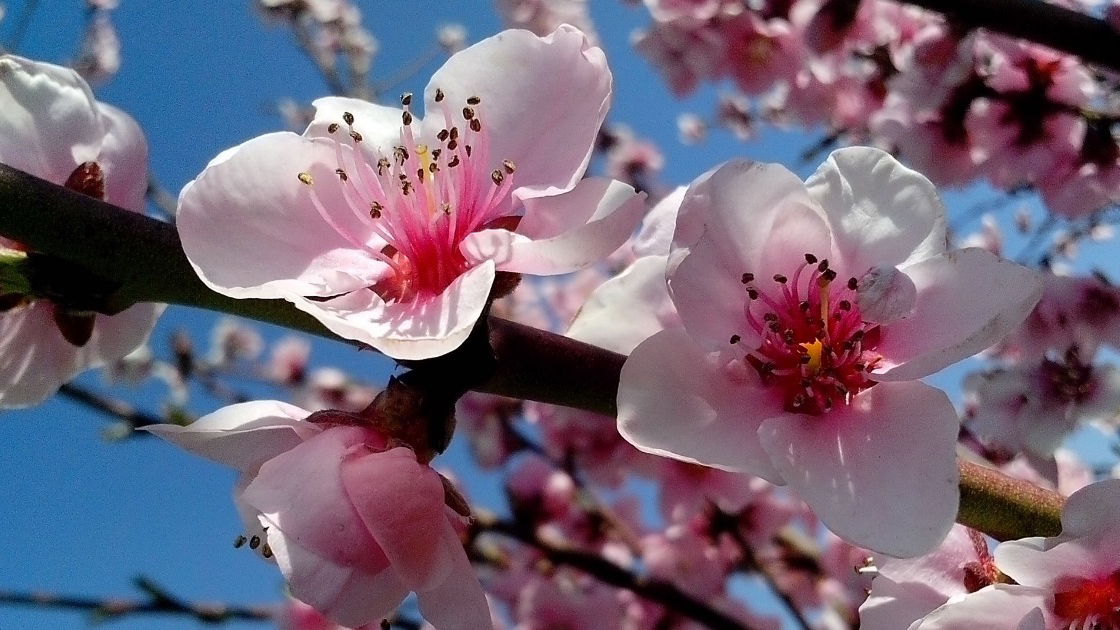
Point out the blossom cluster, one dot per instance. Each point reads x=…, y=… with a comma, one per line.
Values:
x=955, y=104
x=777, y=330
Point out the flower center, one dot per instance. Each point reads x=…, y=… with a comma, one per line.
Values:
x=421, y=200
x=815, y=347
x=1091, y=602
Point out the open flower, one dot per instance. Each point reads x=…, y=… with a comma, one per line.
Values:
x=51, y=127
x=809, y=310
x=354, y=521
x=389, y=229
x=1067, y=581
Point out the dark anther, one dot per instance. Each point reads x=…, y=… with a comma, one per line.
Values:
x=473, y=100
x=752, y=294
x=735, y=339
x=497, y=177
x=476, y=125
x=845, y=305
x=747, y=277
x=853, y=284
x=355, y=136
x=780, y=279
x=406, y=99
x=341, y=174
x=439, y=95
x=239, y=542
x=468, y=113
x=406, y=118
x=333, y=127
x=348, y=118
x=442, y=135
x=824, y=265
x=254, y=542
x=811, y=259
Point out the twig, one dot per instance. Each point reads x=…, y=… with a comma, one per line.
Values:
x=1066, y=30
x=162, y=198
x=531, y=364
x=751, y=562
x=663, y=593
x=159, y=602
x=107, y=405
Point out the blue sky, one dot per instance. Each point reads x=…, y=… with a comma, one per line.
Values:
x=82, y=516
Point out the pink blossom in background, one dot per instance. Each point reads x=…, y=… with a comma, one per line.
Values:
x=354, y=521
x=390, y=229
x=822, y=302
x=52, y=127
x=544, y=16
x=1032, y=407
x=100, y=57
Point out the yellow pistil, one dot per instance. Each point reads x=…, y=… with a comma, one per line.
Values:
x=814, y=350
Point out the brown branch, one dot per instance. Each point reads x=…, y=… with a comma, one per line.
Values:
x=656, y=591
x=159, y=602
x=146, y=261
x=110, y=406
x=1062, y=29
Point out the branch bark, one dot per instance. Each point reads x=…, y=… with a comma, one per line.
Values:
x=146, y=261
x=1062, y=29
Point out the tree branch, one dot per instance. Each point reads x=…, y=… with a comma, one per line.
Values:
x=663, y=593
x=144, y=257
x=162, y=604
x=1062, y=29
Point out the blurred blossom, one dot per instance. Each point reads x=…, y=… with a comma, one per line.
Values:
x=691, y=129
x=288, y=363
x=133, y=368
x=544, y=16
x=735, y=114
x=100, y=58
x=296, y=116
x=234, y=340
x=452, y=37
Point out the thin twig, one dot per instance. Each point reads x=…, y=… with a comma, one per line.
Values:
x=656, y=591
x=107, y=405
x=159, y=602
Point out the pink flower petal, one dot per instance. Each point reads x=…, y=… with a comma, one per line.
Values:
x=880, y=472
x=123, y=159
x=50, y=123
x=656, y=234
x=425, y=327
x=998, y=607
x=1092, y=507
x=401, y=503
x=675, y=401
x=300, y=492
x=348, y=595
x=967, y=300
x=563, y=233
x=379, y=126
x=727, y=221
x=542, y=102
x=244, y=435
x=881, y=213
x=628, y=308
x=250, y=229
x=458, y=603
